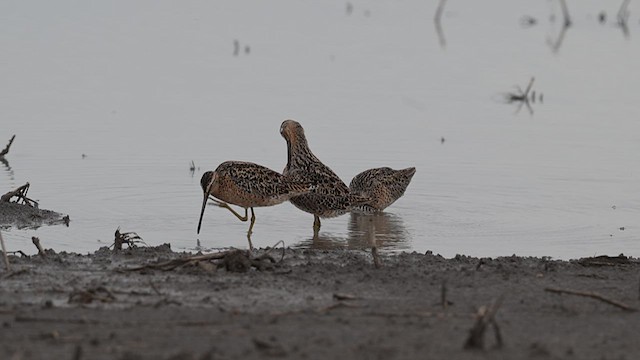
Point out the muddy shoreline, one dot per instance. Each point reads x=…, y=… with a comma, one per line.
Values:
x=314, y=304
x=24, y=216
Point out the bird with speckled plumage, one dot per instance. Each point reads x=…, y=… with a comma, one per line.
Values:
x=331, y=196
x=382, y=185
x=247, y=185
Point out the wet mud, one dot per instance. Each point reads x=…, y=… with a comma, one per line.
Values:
x=24, y=216
x=315, y=304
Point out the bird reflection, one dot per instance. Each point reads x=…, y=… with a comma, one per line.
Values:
x=382, y=229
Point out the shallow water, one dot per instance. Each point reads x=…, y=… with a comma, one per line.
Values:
x=143, y=89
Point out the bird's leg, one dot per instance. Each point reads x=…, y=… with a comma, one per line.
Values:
x=226, y=206
x=253, y=221
x=316, y=223
x=250, y=244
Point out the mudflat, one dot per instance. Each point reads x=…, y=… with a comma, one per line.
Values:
x=316, y=304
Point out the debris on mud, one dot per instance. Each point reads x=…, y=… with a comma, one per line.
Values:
x=313, y=304
x=130, y=238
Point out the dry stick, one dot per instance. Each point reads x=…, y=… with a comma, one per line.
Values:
x=5, y=151
x=36, y=242
x=592, y=295
x=4, y=254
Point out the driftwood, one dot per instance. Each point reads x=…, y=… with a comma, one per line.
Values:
x=21, y=196
x=592, y=295
x=5, y=151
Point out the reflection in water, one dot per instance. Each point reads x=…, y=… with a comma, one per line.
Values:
x=4, y=161
x=8, y=168
x=382, y=229
x=437, y=21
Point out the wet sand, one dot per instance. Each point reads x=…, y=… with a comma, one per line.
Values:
x=314, y=304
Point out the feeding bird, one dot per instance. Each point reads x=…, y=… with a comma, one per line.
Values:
x=247, y=185
x=330, y=197
x=383, y=186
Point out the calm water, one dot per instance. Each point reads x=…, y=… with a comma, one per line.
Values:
x=144, y=88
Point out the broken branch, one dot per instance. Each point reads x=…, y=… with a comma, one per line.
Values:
x=592, y=295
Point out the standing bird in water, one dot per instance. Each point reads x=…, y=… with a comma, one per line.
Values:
x=331, y=196
x=382, y=185
x=247, y=185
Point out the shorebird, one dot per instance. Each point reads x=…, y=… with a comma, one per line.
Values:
x=383, y=186
x=247, y=185
x=331, y=196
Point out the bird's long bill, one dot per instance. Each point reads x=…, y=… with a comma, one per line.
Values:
x=204, y=205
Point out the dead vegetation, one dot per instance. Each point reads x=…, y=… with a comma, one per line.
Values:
x=232, y=260
x=19, y=196
x=592, y=295
x=128, y=238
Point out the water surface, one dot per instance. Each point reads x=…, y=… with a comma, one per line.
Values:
x=142, y=89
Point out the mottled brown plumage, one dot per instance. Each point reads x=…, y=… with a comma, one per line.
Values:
x=331, y=196
x=382, y=185
x=247, y=185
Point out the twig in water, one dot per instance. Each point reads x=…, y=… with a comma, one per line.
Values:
x=5, y=151
x=592, y=295
x=4, y=254
x=484, y=317
x=522, y=97
x=36, y=242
